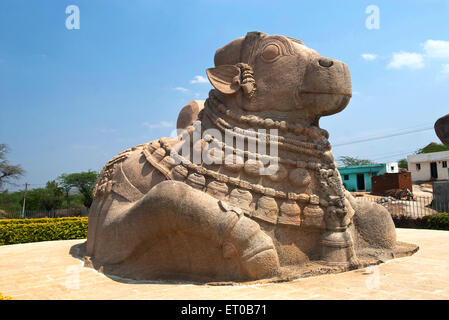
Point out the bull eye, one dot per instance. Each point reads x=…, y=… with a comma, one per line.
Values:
x=270, y=52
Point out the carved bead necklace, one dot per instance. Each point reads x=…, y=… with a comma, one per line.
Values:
x=300, y=147
x=267, y=123
x=162, y=150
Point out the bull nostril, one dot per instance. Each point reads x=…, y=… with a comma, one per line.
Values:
x=325, y=62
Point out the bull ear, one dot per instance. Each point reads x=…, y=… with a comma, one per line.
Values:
x=225, y=78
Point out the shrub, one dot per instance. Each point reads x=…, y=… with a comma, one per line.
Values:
x=38, y=220
x=2, y=297
x=14, y=231
x=439, y=222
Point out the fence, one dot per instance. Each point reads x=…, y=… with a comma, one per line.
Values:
x=60, y=213
x=418, y=207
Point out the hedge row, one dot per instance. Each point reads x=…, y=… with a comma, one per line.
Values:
x=33, y=230
x=37, y=220
x=2, y=297
x=438, y=222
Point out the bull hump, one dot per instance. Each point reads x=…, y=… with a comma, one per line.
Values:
x=127, y=174
x=139, y=173
x=105, y=179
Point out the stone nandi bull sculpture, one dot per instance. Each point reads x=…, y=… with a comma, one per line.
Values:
x=158, y=214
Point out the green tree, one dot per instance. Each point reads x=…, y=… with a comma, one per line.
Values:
x=11, y=201
x=34, y=199
x=8, y=171
x=433, y=147
x=352, y=161
x=83, y=181
x=52, y=196
x=48, y=198
x=403, y=163
x=66, y=182
x=38, y=199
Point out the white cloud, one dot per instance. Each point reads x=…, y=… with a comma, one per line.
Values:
x=436, y=48
x=432, y=49
x=406, y=59
x=369, y=56
x=181, y=89
x=162, y=124
x=199, y=79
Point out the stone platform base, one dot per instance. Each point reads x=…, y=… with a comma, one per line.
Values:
x=46, y=270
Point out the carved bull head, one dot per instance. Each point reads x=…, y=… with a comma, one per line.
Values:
x=261, y=72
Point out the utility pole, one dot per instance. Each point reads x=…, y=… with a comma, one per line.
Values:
x=24, y=199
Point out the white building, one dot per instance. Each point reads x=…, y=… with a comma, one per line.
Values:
x=392, y=167
x=429, y=166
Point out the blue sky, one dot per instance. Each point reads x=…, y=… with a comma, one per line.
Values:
x=72, y=99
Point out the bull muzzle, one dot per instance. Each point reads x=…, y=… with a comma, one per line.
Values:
x=326, y=88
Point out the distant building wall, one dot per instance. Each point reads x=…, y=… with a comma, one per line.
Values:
x=349, y=181
x=349, y=175
x=388, y=181
x=392, y=167
x=420, y=166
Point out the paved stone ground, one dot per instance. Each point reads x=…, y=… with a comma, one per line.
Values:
x=46, y=270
